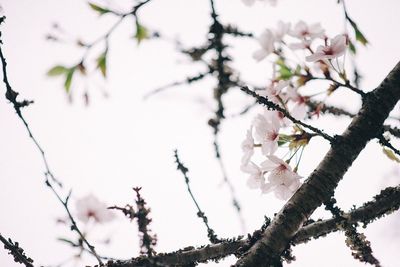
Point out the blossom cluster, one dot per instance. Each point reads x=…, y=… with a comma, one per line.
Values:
x=268, y=130
x=302, y=36
x=264, y=133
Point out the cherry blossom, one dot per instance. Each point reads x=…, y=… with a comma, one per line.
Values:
x=89, y=207
x=256, y=178
x=301, y=45
x=281, y=30
x=266, y=40
x=303, y=31
x=267, y=133
x=248, y=147
x=273, y=91
x=281, y=179
x=279, y=116
x=336, y=49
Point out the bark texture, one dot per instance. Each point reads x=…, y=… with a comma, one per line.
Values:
x=320, y=185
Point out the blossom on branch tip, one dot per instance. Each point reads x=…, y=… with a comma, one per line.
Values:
x=336, y=49
x=90, y=207
x=281, y=179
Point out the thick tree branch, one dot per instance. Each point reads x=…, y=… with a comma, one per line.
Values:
x=321, y=184
x=386, y=202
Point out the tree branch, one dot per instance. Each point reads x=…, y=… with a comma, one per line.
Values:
x=386, y=202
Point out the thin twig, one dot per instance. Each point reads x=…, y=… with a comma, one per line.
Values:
x=211, y=233
x=271, y=105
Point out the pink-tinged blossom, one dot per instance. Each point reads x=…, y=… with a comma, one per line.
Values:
x=248, y=147
x=267, y=133
x=90, y=207
x=301, y=45
x=266, y=40
x=281, y=179
x=336, y=49
x=299, y=109
x=281, y=30
x=303, y=31
x=279, y=116
x=256, y=178
x=273, y=91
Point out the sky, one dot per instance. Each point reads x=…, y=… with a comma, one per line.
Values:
x=121, y=140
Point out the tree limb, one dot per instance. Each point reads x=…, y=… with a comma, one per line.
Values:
x=386, y=202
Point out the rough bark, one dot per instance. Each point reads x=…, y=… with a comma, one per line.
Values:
x=386, y=202
x=320, y=185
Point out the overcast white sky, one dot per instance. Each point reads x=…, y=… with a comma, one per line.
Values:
x=122, y=141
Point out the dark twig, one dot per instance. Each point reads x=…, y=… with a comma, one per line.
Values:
x=11, y=95
x=74, y=226
x=383, y=141
x=147, y=240
x=188, y=80
x=211, y=233
x=17, y=252
x=271, y=105
x=227, y=181
x=359, y=245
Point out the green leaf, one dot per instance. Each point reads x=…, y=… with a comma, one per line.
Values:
x=57, y=71
x=68, y=79
x=352, y=47
x=390, y=154
x=99, y=9
x=102, y=63
x=285, y=71
x=141, y=32
x=359, y=36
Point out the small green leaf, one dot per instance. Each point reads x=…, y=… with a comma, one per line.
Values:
x=99, y=9
x=57, y=70
x=352, y=47
x=102, y=63
x=68, y=79
x=390, y=154
x=141, y=32
x=359, y=36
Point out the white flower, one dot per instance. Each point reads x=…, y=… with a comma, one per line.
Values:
x=266, y=40
x=303, y=31
x=273, y=91
x=334, y=50
x=279, y=116
x=267, y=133
x=299, y=110
x=302, y=45
x=248, y=147
x=281, y=30
x=256, y=178
x=281, y=179
x=90, y=207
